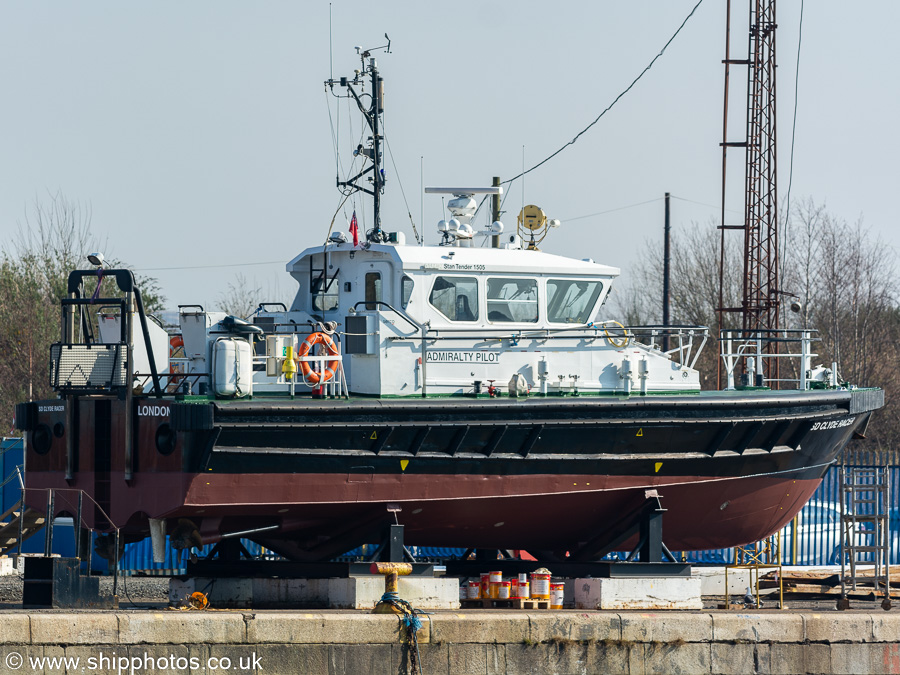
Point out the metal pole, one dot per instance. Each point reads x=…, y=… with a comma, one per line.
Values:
x=721, y=307
x=78, y=526
x=495, y=212
x=116, y=566
x=129, y=384
x=424, y=361
x=48, y=535
x=666, y=272
x=21, y=522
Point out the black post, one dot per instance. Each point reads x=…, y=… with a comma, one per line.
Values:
x=78, y=525
x=495, y=212
x=651, y=536
x=395, y=544
x=666, y=269
x=48, y=535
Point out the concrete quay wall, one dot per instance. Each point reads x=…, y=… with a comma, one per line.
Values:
x=483, y=642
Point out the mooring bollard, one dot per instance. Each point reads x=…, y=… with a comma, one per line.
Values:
x=391, y=572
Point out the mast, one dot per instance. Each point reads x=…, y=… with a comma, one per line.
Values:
x=374, y=115
x=372, y=150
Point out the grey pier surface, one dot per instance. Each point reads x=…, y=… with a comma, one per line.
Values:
x=465, y=641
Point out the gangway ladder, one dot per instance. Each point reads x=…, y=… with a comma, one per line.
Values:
x=865, y=538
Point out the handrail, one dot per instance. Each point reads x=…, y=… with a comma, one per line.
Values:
x=262, y=305
x=51, y=508
x=421, y=327
x=412, y=322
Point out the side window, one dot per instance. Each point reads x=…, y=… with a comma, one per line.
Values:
x=512, y=300
x=325, y=294
x=571, y=300
x=373, y=290
x=406, y=289
x=455, y=297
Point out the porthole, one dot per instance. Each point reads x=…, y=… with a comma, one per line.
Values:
x=42, y=439
x=165, y=439
x=59, y=429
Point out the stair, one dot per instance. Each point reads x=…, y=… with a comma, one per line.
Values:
x=32, y=522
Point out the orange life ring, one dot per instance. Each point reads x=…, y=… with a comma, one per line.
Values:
x=310, y=375
x=176, y=342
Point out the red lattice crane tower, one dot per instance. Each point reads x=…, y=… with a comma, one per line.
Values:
x=760, y=291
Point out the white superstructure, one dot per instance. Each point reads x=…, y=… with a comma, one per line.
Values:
x=456, y=320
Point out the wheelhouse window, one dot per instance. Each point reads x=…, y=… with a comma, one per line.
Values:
x=373, y=290
x=571, y=300
x=325, y=294
x=512, y=300
x=406, y=289
x=455, y=297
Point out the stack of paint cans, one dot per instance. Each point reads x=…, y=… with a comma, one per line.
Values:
x=492, y=585
x=496, y=578
x=523, y=588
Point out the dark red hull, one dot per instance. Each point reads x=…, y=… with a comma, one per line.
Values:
x=727, y=473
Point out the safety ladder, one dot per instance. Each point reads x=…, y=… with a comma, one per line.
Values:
x=865, y=539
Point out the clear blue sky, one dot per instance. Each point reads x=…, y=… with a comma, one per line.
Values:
x=199, y=132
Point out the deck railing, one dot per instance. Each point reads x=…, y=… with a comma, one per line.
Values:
x=760, y=355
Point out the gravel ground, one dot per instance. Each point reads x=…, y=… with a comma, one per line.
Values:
x=153, y=592
x=131, y=590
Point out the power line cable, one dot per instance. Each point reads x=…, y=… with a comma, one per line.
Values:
x=620, y=208
x=206, y=267
x=712, y=206
x=794, y=127
x=616, y=100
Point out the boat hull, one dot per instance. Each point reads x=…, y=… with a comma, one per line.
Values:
x=311, y=479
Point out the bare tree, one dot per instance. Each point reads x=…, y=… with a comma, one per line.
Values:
x=241, y=299
x=695, y=288
x=845, y=280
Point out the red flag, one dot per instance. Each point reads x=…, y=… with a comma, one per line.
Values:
x=354, y=229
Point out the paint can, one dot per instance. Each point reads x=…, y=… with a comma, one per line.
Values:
x=540, y=584
x=496, y=578
x=523, y=590
x=464, y=590
x=504, y=590
x=514, y=587
x=485, y=585
x=557, y=593
x=474, y=590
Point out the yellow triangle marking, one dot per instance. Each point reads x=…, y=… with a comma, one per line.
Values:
x=657, y=467
x=403, y=464
x=374, y=436
x=640, y=432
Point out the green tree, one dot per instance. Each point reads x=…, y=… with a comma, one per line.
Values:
x=55, y=239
